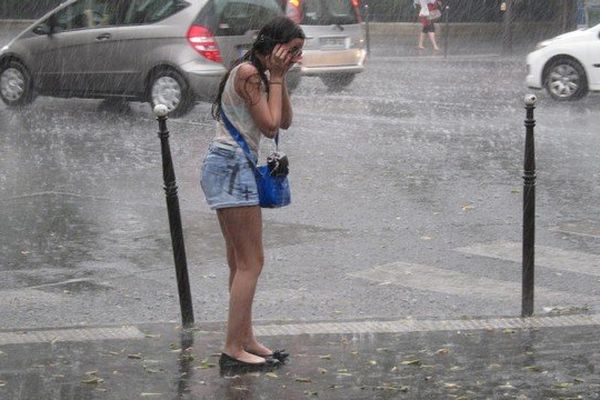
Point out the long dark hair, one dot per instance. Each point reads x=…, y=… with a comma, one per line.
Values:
x=277, y=31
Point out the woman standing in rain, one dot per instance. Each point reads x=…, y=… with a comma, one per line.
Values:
x=253, y=96
x=428, y=7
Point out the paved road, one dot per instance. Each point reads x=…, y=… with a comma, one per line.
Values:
x=407, y=202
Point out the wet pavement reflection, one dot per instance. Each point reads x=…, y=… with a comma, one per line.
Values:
x=168, y=363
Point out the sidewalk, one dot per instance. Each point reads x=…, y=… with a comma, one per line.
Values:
x=539, y=358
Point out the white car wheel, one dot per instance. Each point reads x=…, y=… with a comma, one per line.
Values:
x=566, y=80
x=167, y=91
x=168, y=87
x=15, y=84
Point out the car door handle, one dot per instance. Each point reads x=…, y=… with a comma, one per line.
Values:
x=103, y=36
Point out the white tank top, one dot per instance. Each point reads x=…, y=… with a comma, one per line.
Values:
x=234, y=106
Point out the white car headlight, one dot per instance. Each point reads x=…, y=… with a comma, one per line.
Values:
x=543, y=44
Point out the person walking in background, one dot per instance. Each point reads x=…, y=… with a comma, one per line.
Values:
x=253, y=97
x=428, y=13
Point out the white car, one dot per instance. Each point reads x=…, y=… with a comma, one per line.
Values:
x=567, y=66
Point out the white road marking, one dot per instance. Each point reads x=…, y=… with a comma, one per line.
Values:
x=564, y=260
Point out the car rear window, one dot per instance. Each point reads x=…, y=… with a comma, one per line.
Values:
x=236, y=17
x=150, y=11
x=322, y=12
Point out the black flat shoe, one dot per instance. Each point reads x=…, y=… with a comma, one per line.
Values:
x=230, y=364
x=280, y=355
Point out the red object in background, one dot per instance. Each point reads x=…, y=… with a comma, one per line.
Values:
x=293, y=11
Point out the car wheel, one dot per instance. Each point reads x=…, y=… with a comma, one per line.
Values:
x=168, y=87
x=566, y=80
x=337, y=81
x=16, y=85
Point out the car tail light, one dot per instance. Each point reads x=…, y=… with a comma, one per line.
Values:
x=203, y=41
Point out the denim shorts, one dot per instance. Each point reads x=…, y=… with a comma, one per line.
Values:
x=227, y=178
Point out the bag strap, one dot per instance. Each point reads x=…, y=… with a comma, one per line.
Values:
x=237, y=136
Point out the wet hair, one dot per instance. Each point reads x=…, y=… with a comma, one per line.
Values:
x=279, y=30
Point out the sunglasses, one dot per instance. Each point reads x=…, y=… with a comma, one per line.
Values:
x=295, y=52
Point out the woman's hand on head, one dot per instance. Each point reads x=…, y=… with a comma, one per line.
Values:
x=279, y=60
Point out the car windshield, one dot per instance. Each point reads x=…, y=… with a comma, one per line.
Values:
x=321, y=12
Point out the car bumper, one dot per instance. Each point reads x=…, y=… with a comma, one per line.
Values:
x=316, y=63
x=535, y=66
x=204, y=79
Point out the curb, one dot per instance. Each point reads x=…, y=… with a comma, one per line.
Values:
x=279, y=328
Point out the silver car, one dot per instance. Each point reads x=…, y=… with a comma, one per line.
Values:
x=172, y=52
x=334, y=49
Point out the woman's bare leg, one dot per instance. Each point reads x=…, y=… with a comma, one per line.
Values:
x=432, y=39
x=421, y=39
x=229, y=249
x=242, y=227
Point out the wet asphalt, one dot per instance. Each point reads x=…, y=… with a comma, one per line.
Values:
x=167, y=363
x=396, y=181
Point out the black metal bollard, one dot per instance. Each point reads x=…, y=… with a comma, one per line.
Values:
x=529, y=210
x=183, y=283
x=367, y=29
x=447, y=35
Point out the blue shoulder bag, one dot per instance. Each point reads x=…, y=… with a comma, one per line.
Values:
x=271, y=179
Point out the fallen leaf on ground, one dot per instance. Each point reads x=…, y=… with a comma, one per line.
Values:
x=325, y=357
x=310, y=393
x=272, y=375
x=442, y=351
x=187, y=357
x=451, y=385
x=151, y=336
x=507, y=385
x=372, y=362
x=205, y=364
x=136, y=356
x=563, y=385
x=303, y=380
x=411, y=362
x=150, y=394
x=94, y=380
x=534, y=368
